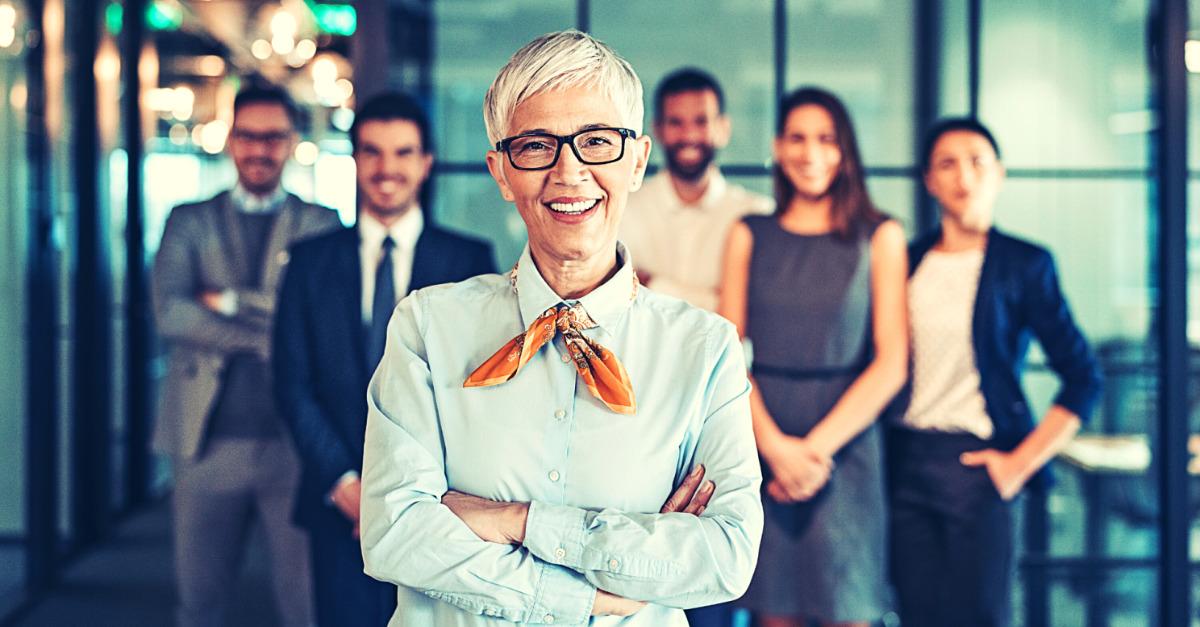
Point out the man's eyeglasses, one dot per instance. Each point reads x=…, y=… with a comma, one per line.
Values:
x=539, y=151
x=276, y=138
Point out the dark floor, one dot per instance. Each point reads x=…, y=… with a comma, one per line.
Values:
x=128, y=582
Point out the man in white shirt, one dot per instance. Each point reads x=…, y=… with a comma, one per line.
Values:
x=675, y=226
x=334, y=307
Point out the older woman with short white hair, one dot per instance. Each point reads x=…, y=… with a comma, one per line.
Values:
x=560, y=445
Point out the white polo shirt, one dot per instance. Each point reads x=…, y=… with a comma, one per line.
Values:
x=681, y=245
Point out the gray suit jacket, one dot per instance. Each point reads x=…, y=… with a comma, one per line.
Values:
x=202, y=249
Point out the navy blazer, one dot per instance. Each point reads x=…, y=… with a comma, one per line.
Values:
x=1019, y=297
x=319, y=352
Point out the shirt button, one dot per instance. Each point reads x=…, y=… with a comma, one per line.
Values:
x=548, y=618
x=560, y=414
x=566, y=358
x=560, y=553
x=554, y=475
x=612, y=564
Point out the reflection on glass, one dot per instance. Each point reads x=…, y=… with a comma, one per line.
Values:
x=472, y=40
x=1065, y=83
x=14, y=177
x=471, y=204
x=863, y=52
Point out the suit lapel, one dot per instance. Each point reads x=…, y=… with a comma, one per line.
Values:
x=426, y=263
x=985, y=294
x=346, y=275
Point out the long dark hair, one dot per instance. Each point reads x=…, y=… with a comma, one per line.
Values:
x=852, y=209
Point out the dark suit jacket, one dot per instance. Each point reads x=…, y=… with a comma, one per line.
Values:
x=1019, y=297
x=319, y=353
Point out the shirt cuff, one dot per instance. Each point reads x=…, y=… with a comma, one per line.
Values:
x=347, y=477
x=564, y=597
x=554, y=533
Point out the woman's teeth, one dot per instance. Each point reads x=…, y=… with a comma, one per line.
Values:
x=573, y=207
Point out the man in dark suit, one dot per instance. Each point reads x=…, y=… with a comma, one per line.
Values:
x=334, y=306
x=215, y=284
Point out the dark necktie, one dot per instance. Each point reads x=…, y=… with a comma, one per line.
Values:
x=382, y=304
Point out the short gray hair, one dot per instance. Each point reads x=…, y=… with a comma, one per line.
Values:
x=558, y=60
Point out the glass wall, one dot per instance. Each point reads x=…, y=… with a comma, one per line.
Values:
x=735, y=41
x=14, y=232
x=1073, y=118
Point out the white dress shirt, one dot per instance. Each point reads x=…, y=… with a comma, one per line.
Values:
x=945, y=382
x=248, y=202
x=681, y=245
x=404, y=232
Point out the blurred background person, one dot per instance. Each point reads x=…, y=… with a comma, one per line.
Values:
x=215, y=282
x=675, y=225
x=966, y=444
x=335, y=303
x=818, y=288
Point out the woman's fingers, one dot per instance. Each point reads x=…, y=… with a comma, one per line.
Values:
x=682, y=496
x=701, y=498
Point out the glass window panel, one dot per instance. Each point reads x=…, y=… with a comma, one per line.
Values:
x=862, y=50
x=472, y=40
x=662, y=36
x=1064, y=84
x=894, y=196
x=1104, y=504
x=1119, y=598
x=471, y=203
x=14, y=233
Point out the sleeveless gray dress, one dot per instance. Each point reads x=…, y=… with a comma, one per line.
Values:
x=809, y=318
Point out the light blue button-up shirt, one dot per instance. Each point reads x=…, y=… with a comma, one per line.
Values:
x=595, y=479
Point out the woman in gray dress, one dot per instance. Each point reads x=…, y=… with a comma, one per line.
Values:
x=819, y=290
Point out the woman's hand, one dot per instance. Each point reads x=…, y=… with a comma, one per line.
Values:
x=1005, y=474
x=608, y=604
x=800, y=470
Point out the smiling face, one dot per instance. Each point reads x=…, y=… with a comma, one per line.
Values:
x=807, y=151
x=692, y=129
x=391, y=167
x=965, y=176
x=571, y=210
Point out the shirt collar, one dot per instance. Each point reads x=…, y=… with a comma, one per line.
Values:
x=404, y=232
x=713, y=195
x=605, y=304
x=247, y=202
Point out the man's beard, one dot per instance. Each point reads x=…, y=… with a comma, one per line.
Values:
x=692, y=171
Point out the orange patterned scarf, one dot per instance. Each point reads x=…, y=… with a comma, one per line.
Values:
x=600, y=369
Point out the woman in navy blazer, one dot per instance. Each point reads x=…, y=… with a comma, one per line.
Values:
x=965, y=443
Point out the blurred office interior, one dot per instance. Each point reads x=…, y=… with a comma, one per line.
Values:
x=114, y=111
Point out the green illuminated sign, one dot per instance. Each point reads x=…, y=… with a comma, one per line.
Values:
x=114, y=17
x=336, y=19
x=164, y=15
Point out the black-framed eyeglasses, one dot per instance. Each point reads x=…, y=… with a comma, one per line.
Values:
x=539, y=151
x=271, y=138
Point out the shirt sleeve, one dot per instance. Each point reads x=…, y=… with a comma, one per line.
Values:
x=677, y=560
x=408, y=537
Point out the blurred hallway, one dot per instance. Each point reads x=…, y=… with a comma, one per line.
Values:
x=128, y=581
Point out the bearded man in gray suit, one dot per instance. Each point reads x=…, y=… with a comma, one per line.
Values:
x=215, y=282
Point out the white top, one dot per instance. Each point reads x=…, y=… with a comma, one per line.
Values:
x=680, y=245
x=404, y=233
x=945, y=383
